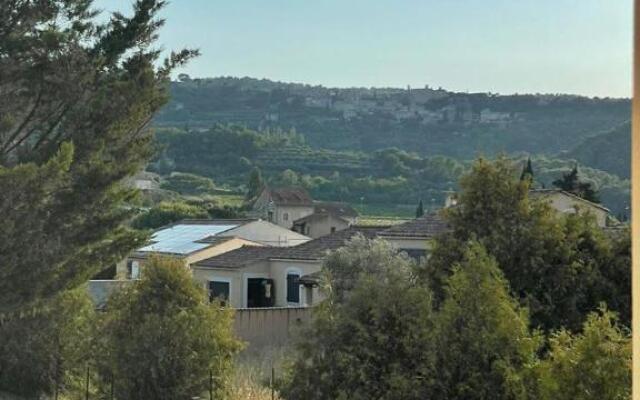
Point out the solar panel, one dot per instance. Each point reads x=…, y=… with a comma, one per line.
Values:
x=182, y=238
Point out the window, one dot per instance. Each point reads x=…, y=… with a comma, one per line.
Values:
x=333, y=229
x=293, y=288
x=270, y=216
x=135, y=270
x=285, y=216
x=219, y=290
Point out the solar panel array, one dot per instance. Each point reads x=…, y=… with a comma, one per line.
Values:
x=182, y=238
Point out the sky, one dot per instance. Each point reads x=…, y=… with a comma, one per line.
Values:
x=498, y=46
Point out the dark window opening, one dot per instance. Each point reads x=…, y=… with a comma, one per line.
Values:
x=293, y=288
x=333, y=229
x=260, y=292
x=270, y=216
x=220, y=291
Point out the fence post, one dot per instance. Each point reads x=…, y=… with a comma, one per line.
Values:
x=273, y=373
x=210, y=384
x=86, y=391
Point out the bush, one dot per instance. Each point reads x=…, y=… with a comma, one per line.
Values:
x=162, y=337
x=166, y=213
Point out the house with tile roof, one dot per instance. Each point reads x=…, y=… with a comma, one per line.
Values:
x=293, y=208
x=253, y=276
x=195, y=240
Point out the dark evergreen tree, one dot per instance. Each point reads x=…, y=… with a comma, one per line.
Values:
x=570, y=182
x=256, y=183
x=420, y=210
x=78, y=95
x=527, y=171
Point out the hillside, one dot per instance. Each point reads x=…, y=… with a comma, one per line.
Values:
x=609, y=151
x=423, y=120
x=389, y=177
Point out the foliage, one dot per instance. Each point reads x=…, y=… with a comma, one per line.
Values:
x=45, y=351
x=166, y=213
x=359, y=347
x=79, y=96
x=527, y=171
x=383, y=177
x=607, y=151
x=538, y=124
x=184, y=183
x=255, y=184
x=483, y=340
x=595, y=364
x=420, y=210
x=571, y=183
x=561, y=267
x=162, y=337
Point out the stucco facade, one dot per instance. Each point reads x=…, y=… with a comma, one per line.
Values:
x=568, y=203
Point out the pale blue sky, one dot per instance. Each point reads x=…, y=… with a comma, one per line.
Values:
x=503, y=46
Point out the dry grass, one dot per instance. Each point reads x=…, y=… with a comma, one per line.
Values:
x=252, y=376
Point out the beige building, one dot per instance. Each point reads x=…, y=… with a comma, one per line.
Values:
x=569, y=203
x=328, y=217
x=282, y=206
x=195, y=240
x=271, y=277
x=287, y=277
x=293, y=208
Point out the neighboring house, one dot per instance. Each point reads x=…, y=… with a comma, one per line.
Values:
x=282, y=206
x=271, y=277
x=415, y=237
x=565, y=202
x=281, y=277
x=195, y=240
x=328, y=217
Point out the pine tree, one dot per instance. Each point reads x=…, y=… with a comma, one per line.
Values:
x=81, y=94
x=527, y=171
x=420, y=210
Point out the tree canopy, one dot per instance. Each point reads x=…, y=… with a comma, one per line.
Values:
x=78, y=95
x=161, y=337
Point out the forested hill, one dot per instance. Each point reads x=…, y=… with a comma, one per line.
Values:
x=425, y=120
x=609, y=151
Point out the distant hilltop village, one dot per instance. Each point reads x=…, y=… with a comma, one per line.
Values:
x=425, y=106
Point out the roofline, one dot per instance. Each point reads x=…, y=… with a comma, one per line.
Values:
x=187, y=221
x=295, y=259
x=573, y=196
x=400, y=236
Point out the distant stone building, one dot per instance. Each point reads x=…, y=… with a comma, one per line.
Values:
x=293, y=208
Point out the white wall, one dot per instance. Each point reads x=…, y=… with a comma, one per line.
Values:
x=267, y=234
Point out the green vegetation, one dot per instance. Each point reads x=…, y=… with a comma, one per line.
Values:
x=166, y=213
x=487, y=357
x=45, y=352
x=608, y=151
x=389, y=117
x=359, y=347
x=241, y=158
x=477, y=343
x=66, y=142
x=590, y=365
x=560, y=268
x=188, y=184
x=162, y=338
